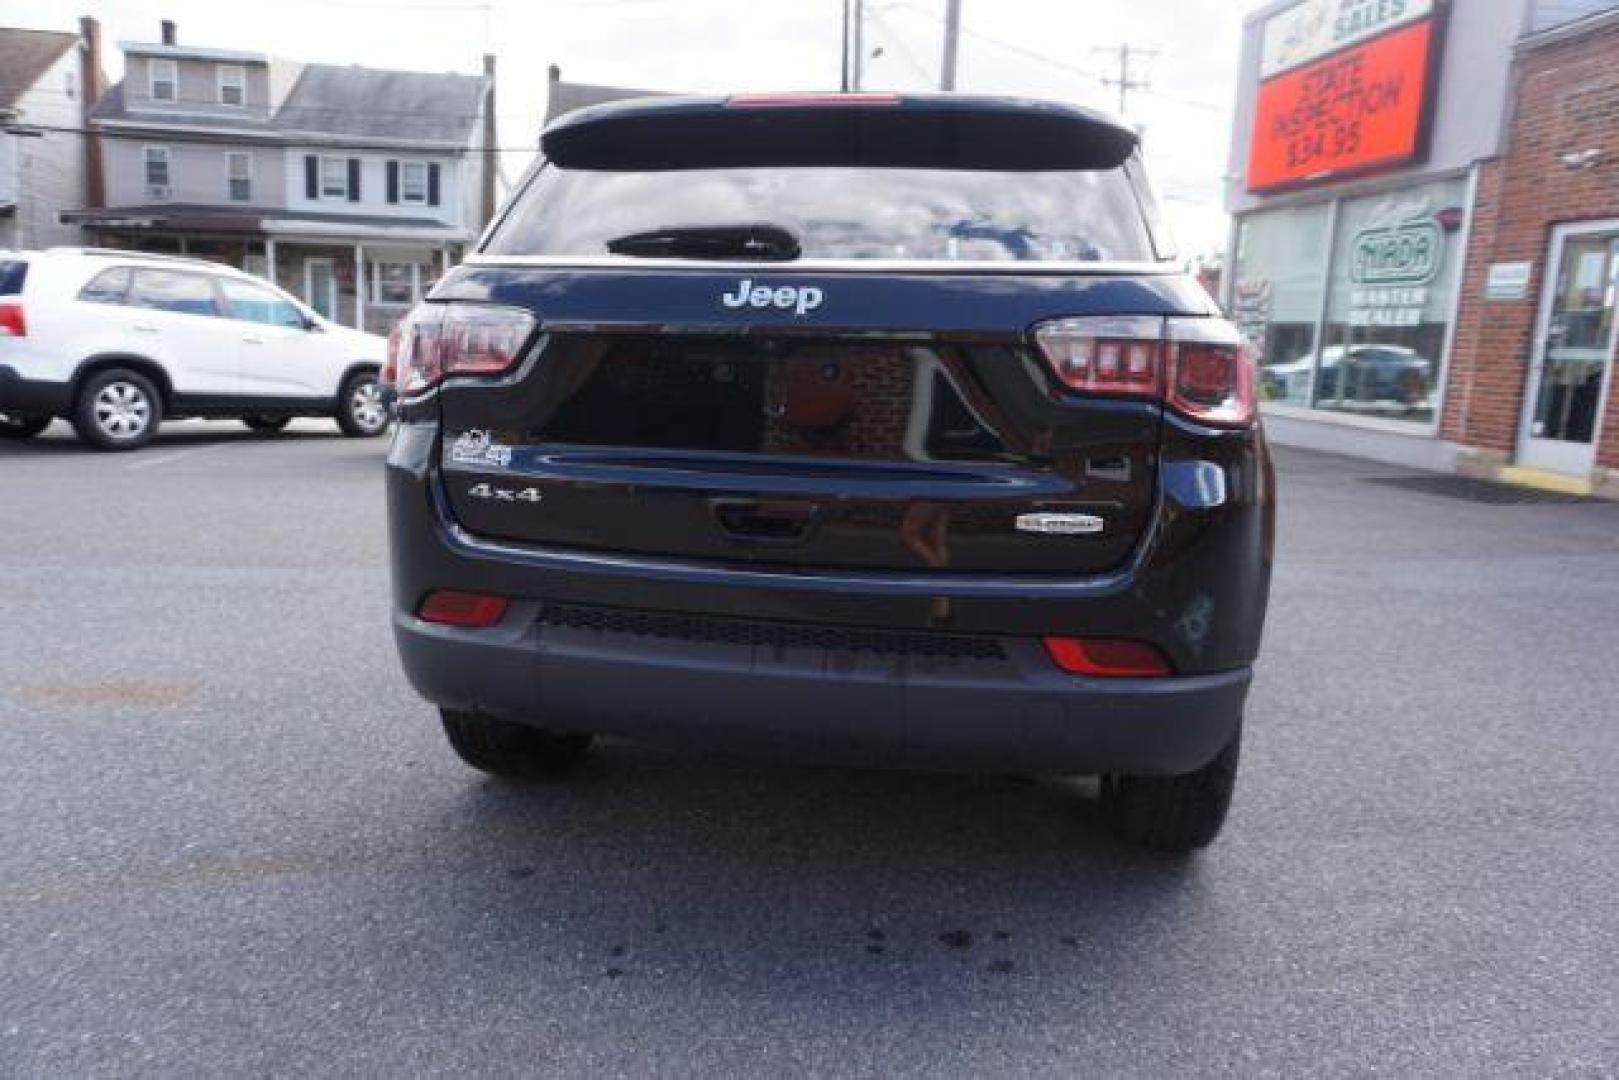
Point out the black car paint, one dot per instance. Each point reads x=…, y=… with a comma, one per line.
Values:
x=857, y=510
x=999, y=305
x=1192, y=578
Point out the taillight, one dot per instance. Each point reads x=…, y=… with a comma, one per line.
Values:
x=1107, y=658
x=12, y=321
x=1199, y=367
x=450, y=607
x=437, y=341
x=1210, y=374
x=1105, y=355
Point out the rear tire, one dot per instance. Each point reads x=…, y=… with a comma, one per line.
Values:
x=117, y=409
x=268, y=425
x=22, y=425
x=512, y=751
x=1172, y=813
x=362, y=412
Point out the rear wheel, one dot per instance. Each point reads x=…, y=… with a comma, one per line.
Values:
x=513, y=751
x=1172, y=813
x=267, y=424
x=22, y=425
x=117, y=409
x=361, y=410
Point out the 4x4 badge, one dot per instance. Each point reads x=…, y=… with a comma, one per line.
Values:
x=1062, y=524
x=505, y=494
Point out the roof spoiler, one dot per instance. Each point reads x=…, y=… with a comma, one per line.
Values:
x=877, y=131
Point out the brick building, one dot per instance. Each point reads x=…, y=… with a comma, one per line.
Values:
x=1531, y=370
x=1405, y=178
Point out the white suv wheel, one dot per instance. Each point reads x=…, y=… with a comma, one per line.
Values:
x=123, y=410
x=117, y=410
x=362, y=410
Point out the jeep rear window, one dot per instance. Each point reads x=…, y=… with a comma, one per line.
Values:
x=1075, y=215
x=13, y=273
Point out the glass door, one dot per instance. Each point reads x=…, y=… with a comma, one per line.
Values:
x=1573, y=352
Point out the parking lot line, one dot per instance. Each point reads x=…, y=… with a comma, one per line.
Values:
x=164, y=459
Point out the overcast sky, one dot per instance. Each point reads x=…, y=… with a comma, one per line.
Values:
x=1047, y=48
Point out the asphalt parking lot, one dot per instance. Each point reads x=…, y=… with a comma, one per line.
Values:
x=232, y=842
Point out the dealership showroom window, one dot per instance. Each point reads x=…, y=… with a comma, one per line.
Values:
x=1349, y=303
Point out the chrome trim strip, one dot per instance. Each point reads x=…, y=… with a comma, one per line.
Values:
x=885, y=582
x=824, y=266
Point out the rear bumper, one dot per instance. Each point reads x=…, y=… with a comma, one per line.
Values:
x=1197, y=589
x=1012, y=711
x=21, y=395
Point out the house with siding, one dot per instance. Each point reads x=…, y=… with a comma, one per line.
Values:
x=47, y=81
x=352, y=188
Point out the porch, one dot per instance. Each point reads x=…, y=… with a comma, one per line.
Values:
x=354, y=273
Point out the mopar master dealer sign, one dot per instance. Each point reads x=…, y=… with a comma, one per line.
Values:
x=1390, y=268
x=1345, y=87
x=1405, y=254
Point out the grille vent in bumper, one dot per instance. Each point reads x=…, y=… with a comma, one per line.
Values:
x=710, y=630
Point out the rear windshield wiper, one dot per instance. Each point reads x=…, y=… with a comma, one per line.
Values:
x=768, y=242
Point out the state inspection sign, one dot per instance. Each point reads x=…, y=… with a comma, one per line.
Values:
x=1361, y=106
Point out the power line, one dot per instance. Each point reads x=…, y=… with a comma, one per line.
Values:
x=160, y=120
x=894, y=38
x=1125, y=82
x=1051, y=61
x=1001, y=43
x=230, y=140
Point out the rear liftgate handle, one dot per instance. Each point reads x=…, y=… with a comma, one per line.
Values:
x=753, y=521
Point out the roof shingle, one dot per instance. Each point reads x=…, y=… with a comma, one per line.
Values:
x=367, y=103
x=25, y=55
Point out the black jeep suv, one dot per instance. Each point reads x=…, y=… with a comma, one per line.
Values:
x=861, y=426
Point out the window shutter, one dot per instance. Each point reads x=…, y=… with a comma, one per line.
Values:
x=354, y=179
x=311, y=177
x=432, y=184
x=393, y=181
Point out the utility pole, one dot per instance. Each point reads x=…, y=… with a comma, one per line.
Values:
x=843, y=80
x=1125, y=82
x=857, y=66
x=952, y=35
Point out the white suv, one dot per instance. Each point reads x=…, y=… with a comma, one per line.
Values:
x=116, y=341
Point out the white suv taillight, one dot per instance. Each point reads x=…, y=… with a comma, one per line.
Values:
x=436, y=341
x=1198, y=367
x=13, y=323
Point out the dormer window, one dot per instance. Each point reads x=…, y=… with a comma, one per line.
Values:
x=165, y=80
x=232, y=85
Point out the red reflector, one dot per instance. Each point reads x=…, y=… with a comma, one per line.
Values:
x=448, y=607
x=12, y=321
x=1115, y=658
x=770, y=101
